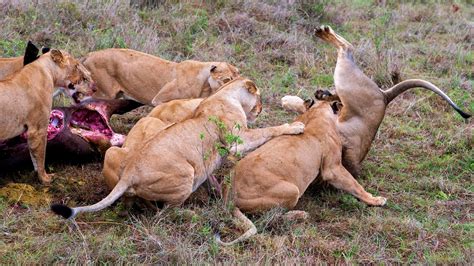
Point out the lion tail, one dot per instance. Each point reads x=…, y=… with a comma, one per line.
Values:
x=116, y=193
x=403, y=86
x=250, y=232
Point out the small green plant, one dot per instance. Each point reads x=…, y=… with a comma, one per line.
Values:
x=230, y=138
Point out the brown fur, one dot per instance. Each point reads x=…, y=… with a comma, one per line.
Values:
x=278, y=173
x=363, y=102
x=26, y=100
x=176, y=110
x=151, y=80
x=8, y=66
x=174, y=161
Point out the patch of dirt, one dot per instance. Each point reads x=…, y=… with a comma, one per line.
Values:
x=25, y=194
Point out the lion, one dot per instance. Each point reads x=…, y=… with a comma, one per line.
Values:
x=26, y=100
x=277, y=173
x=173, y=162
x=363, y=102
x=152, y=80
x=158, y=119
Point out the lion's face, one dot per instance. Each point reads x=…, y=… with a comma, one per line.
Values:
x=221, y=74
x=76, y=78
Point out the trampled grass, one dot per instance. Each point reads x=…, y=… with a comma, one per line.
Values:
x=422, y=159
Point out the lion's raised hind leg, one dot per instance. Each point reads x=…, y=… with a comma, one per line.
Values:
x=327, y=34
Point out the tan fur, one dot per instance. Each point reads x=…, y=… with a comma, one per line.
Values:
x=8, y=66
x=176, y=110
x=363, y=102
x=26, y=99
x=278, y=173
x=174, y=161
x=293, y=103
x=158, y=119
x=296, y=104
x=152, y=80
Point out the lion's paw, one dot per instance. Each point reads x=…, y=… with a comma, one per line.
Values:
x=322, y=94
x=380, y=201
x=296, y=128
x=323, y=30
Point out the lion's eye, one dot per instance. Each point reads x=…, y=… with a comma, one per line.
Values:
x=226, y=80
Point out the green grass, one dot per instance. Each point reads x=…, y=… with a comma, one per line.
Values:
x=422, y=158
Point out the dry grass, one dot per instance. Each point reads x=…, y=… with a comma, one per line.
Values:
x=422, y=158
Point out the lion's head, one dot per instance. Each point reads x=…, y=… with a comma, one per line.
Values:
x=72, y=75
x=222, y=73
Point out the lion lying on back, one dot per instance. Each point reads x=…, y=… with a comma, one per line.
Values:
x=151, y=80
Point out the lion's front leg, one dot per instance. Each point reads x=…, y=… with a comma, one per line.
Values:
x=253, y=138
x=37, y=139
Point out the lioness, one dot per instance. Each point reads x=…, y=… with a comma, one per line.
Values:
x=278, y=172
x=151, y=80
x=26, y=100
x=174, y=162
x=363, y=102
x=158, y=119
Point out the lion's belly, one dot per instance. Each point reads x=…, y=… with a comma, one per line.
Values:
x=10, y=128
x=170, y=190
x=13, y=116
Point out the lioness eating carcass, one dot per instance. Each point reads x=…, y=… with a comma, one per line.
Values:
x=176, y=160
x=363, y=102
x=26, y=100
x=151, y=80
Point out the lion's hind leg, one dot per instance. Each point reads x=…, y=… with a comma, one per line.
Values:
x=327, y=34
x=283, y=194
x=114, y=157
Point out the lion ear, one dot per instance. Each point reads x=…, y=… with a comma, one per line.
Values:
x=213, y=68
x=235, y=71
x=31, y=53
x=57, y=57
x=251, y=87
x=308, y=103
x=45, y=50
